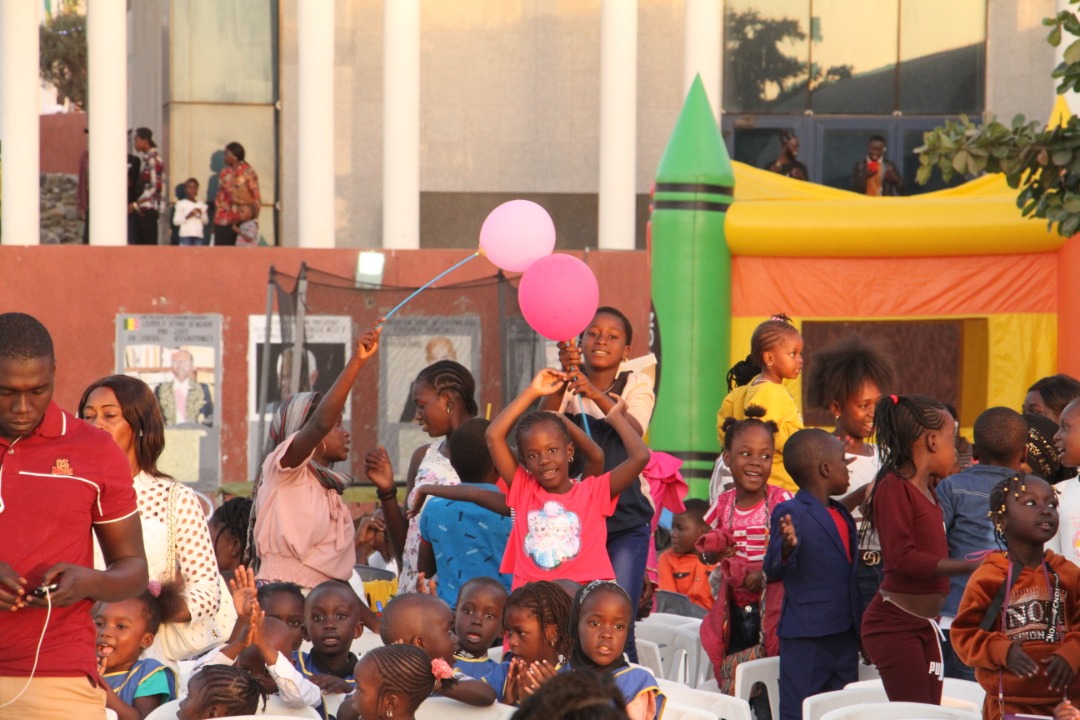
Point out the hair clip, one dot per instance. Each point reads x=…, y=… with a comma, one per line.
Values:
x=441, y=669
x=593, y=586
x=154, y=588
x=895, y=399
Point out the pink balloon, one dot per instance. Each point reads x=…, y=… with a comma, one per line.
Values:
x=558, y=296
x=516, y=234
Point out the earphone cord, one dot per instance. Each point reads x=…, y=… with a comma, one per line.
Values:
x=37, y=652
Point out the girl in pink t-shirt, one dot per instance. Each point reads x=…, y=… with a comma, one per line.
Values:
x=560, y=526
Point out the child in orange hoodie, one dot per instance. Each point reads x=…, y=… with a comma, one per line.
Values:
x=1019, y=620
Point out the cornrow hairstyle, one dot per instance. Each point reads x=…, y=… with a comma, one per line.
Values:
x=766, y=336
x=628, y=329
x=899, y=421
x=233, y=514
x=404, y=670
x=141, y=412
x=469, y=454
x=580, y=695
x=552, y=608
x=839, y=371
x=1042, y=455
x=236, y=691
x=450, y=377
x=538, y=417
x=23, y=337
x=267, y=591
x=1057, y=391
x=732, y=428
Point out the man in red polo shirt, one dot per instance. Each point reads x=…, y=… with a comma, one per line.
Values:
x=60, y=480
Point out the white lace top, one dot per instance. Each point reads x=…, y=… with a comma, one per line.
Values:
x=194, y=548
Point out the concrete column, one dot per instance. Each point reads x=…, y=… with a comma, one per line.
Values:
x=704, y=37
x=315, y=106
x=1059, y=55
x=19, y=129
x=106, y=58
x=618, y=123
x=401, y=124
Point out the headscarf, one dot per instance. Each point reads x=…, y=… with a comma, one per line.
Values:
x=291, y=415
x=578, y=659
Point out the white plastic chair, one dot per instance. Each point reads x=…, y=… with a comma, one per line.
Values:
x=165, y=712
x=440, y=708
x=957, y=694
x=273, y=711
x=365, y=643
x=671, y=619
x=815, y=706
x=868, y=672
x=684, y=666
x=648, y=654
x=110, y=714
x=675, y=711
x=765, y=671
x=899, y=711
x=719, y=705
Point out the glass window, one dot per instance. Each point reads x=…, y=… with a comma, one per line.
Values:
x=206, y=129
x=853, y=57
x=942, y=56
x=223, y=51
x=765, y=55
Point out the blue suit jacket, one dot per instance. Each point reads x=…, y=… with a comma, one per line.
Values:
x=821, y=593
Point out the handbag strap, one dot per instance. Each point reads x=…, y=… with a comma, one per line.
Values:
x=170, y=522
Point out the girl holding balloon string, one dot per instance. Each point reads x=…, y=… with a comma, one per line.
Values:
x=599, y=373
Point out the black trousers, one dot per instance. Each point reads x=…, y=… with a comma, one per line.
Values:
x=143, y=228
x=224, y=235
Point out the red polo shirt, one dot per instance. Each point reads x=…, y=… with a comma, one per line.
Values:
x=55, y=484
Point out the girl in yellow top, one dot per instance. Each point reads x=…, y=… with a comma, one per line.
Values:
x=775, y=355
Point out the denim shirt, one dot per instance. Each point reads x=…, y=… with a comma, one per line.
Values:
x=965, y=502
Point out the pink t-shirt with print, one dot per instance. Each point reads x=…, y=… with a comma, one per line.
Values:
x=559, y=536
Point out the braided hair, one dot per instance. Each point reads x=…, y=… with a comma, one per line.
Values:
x=732, y=428
x=899, y=421
x=538, y=417
x=580, y=695
x=1042, y=456
x=236, y=691
x=999, y=496
x=766, y=336
x=552, y=608
x=453, y=378
x=404, y=670
x=233, y=516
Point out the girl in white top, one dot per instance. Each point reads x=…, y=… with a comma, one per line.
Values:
x=847, y=379
x=191, y=215
x=175, y=533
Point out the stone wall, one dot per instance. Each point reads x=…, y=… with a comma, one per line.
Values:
x=60, y=223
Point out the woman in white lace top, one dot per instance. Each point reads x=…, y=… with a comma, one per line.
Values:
x=175, y=534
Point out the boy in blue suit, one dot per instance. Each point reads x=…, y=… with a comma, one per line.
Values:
x=811, y=549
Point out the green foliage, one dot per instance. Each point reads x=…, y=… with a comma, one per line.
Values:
x=756, y=59
x=1043, y=163
x=63, y=56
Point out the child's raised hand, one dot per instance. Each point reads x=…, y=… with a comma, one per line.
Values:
x=787, y=535
x=242, y=587
x=569, y=355
x=548, y=382
x=425, y=585
x=1020, y=663
x=369, y=341
x=378, y=469
x=535, y=675
x=1059, y=672
x=1065, y=710
x=619, y=408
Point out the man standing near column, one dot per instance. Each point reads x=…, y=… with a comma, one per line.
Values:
x=61, y=480
x=147, y=207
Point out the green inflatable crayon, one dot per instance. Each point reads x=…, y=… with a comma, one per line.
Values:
x=691, y=290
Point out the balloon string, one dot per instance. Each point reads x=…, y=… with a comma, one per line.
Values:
x=428, y=284
x=584, y=417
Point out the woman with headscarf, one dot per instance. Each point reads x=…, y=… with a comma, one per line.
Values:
x=238, y=186
x=301, y=530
